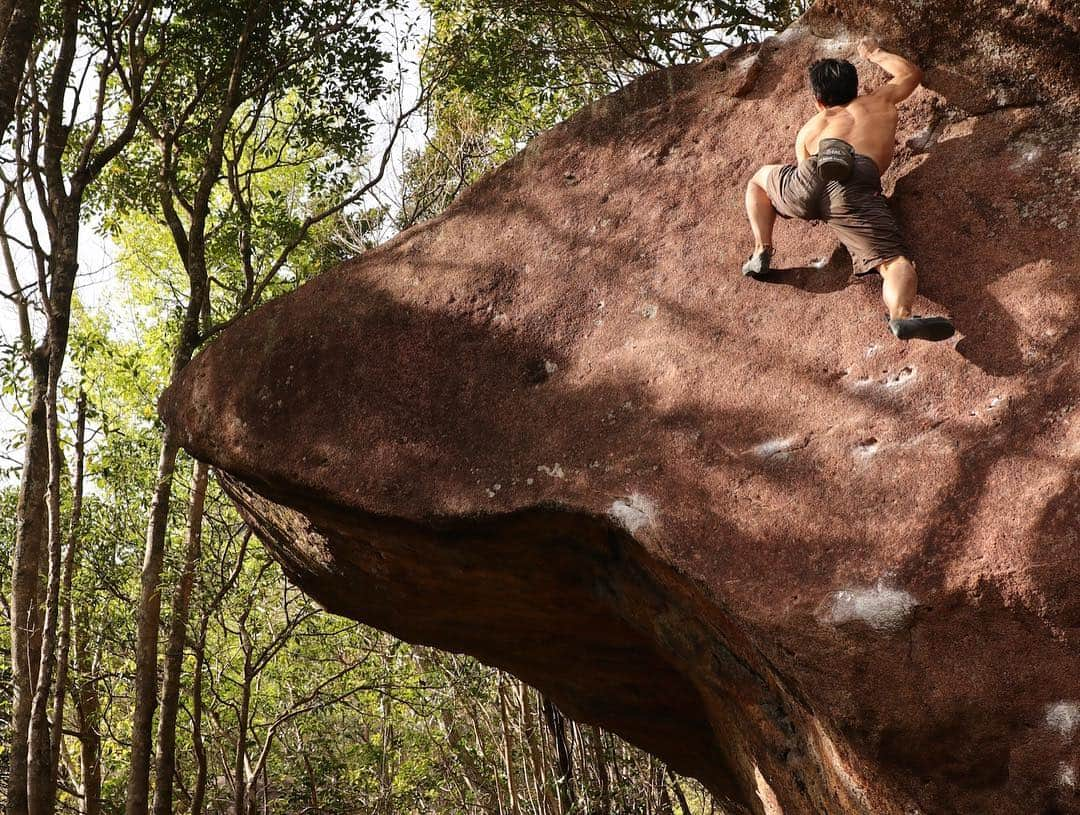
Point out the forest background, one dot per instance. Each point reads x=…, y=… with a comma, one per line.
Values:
x=165, y=169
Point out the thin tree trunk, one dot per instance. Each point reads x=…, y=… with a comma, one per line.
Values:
x=240, y=759
x=149, y=619
x=385, y=746
x=679, y=796
x=313, y=784
x=88, y=715
x=174, y=654
x=18, y=24
x=536, y=753
x=508, y=749
x=616, y=771
x=146, y=645
x=39, y=751
x=60, y=696
x=199, y=795
x=565, y=785
x=660, y=785
x=600, y=756
x=577, y=742
x=25, y=572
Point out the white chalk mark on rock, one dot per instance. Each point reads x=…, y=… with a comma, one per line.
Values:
x=633, y=512
x=880, y=607
x=555, y=471
x=866, y=449
x=904, y=377
x=1064, y=717
x=1066, y=776
x=778, y=448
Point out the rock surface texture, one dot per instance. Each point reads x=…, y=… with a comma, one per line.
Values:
x=733, y=521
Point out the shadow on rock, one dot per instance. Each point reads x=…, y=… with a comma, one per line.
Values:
x=833, y=275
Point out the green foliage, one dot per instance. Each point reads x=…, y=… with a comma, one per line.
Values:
x=519, y=68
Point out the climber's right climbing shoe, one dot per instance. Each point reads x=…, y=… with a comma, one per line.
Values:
x=758, y=264
x=933, y=329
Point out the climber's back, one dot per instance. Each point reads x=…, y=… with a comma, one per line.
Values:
x=868, y=122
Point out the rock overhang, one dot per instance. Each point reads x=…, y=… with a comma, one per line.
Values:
x=792, y=524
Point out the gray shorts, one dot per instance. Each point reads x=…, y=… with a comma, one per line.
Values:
x=855, y=209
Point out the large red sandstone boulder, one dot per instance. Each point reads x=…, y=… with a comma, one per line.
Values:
x=736, y=522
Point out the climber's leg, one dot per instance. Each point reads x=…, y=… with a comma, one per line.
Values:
x=900, y=284
x=762, y=214
x=898, y=291
x=759, y=209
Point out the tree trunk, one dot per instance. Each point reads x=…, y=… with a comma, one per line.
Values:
x=660, y=784
x=565, y=784
x=602, y=773
x=18, y=23
x=508, y=749
x=174, y=654
x=240, y=760
x=146, y=640
x=617, y=774
x=313, y=784
x=386, y=806
x=679, y=796
x=25, y=571
x=64, y=266
x=146, y=644
x=88, y=715
x=199, y=795
x=64, y=644
x=536, y=753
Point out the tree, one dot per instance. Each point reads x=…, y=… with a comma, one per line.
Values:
x=18, y=24
x=255, y=92
x=58, y=151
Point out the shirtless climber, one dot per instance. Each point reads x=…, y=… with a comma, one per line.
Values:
x=842, y=153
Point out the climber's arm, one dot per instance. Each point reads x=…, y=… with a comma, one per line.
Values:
x=906, y=75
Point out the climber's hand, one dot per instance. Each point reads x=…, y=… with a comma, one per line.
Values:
x=868, y=46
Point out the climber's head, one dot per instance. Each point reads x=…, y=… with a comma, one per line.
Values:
x=834, y=82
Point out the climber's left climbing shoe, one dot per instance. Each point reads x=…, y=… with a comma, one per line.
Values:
x=933, y=329
x=758, y=264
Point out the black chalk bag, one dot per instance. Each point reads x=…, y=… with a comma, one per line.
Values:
x=835, y=159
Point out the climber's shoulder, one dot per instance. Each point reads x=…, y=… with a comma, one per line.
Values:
x=873, y=102
x=813, y=127
x=872, y=110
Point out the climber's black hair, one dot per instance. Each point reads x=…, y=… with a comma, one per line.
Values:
x=834, y=81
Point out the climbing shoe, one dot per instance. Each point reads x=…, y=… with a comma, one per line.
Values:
x=933, y=329
x=835, y=160
x=758, y=264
